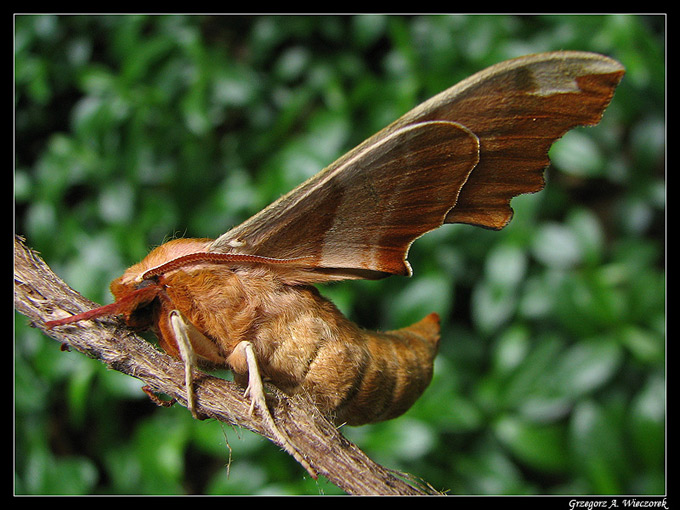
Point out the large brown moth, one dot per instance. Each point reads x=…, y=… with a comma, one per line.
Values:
x=246, y=301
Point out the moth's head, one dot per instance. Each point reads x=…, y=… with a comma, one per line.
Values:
x=136, y=292
x=133, y=303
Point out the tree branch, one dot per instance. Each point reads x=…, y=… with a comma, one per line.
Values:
x=41, y=296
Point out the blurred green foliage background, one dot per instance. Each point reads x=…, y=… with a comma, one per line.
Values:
x=133, y=129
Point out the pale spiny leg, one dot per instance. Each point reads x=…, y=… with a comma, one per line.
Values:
x=180, y=328
x=255, y=392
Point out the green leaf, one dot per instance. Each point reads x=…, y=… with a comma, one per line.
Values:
x=598, y=448
x=539, y=446
x=578, y=154
x=647, y=422
x=586, y=367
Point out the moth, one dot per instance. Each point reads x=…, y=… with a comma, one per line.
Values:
x=247, y=301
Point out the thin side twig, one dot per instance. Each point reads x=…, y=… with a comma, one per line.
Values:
x=41, y=296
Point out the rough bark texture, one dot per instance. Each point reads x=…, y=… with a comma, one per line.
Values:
x=41, y=296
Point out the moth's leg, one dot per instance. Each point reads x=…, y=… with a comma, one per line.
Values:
x=255, y=392
x=180, y=328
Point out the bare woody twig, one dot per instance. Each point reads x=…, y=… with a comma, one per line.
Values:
x=41, y=296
